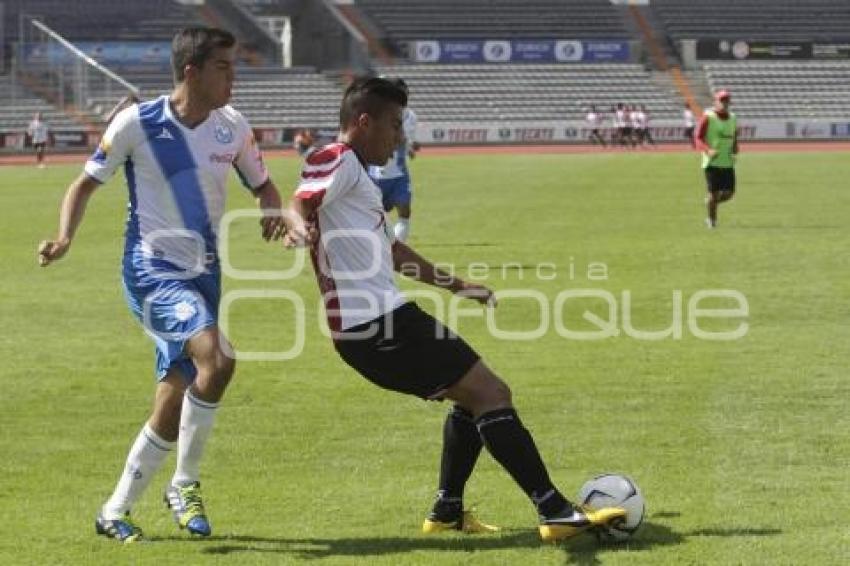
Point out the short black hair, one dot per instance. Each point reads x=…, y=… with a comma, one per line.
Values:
x=194, y=45
x=370, y=95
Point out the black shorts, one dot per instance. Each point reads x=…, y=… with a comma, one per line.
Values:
x=689, y=133
x=719, y=179
x=408, y=351
x=39, y=146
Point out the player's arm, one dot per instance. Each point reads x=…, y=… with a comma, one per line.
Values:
x=268, y=200
x=299, y=232
x=699, y=138
x=407, y=262
x=70, y=217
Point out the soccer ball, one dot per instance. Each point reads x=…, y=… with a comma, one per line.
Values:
x=614, y=490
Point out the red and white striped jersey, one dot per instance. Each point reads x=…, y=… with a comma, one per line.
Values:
x=352, y=255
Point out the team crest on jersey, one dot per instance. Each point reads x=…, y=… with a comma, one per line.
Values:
x=223, y=134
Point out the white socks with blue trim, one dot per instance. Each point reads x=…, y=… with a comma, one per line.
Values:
x=143, y=461
x=402, y=229
x=196, y=422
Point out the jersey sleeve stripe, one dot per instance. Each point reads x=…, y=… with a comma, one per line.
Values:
x=320, y=173
x=327, y=154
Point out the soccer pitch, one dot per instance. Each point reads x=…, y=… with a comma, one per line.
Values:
x=741, y=447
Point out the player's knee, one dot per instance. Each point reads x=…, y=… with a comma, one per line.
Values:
x=224, y=367
x=494, y=395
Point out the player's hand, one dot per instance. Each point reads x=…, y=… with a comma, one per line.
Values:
x=711, y=153
x=52, y=250
x=300, y=234
x=272, y=224
x=478, y=293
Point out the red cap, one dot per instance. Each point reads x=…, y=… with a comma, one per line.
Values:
x=722, y=95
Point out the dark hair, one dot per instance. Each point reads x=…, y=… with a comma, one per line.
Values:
x=370, y=95
x=194, y=45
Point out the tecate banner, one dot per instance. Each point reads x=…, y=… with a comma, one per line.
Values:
x=520, y=51
x=480, y=133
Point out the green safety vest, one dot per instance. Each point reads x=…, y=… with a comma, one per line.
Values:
x=721, y=137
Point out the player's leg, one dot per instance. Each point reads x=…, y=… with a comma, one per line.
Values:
x=199, y=407
x=711, y=198
x=728, y=185
x=461, y=447
x=402, y=225
x=511, y=444
x=410, y=352
x=152, y=445
x=397, y=194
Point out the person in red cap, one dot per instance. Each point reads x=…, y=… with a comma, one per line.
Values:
x=717, y=139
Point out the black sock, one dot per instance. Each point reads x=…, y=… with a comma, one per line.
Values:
x=461, y=447
x=512, y=446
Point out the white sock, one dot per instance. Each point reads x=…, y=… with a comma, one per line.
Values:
x=196, y=421
x=144, y=459
x=402, y=229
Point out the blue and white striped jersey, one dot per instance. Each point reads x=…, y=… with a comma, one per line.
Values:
x=177, y=177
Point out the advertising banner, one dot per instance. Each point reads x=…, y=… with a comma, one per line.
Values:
x=743, y=50
x=116, y=55
x=520, y=51
x=476, y=133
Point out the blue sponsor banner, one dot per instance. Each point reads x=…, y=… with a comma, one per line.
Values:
x=116, y=55
x=520, y=51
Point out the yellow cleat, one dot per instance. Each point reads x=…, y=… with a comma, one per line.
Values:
x=468, y=523
x=578, y=520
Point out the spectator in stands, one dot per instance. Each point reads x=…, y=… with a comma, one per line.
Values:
x=393, y=178
x=717, y=139
x=303, y=141
x=690, y=123
x=594, y=123
x=177, y=151
x=39, y=133
x=128, y=100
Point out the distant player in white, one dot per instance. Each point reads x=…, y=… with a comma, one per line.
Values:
x=634, y=120
x=395, y=345
x=39, y=134
x=690, y=124
x=594, y=124
x=393, y=178
x=621, y=130
x=643, y=134
x=177, y=152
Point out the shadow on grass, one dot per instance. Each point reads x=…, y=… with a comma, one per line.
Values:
x=584, y=550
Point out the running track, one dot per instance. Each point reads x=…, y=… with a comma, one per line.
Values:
x=746, y=147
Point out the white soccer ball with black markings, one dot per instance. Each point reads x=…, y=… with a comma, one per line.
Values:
x=614, y=490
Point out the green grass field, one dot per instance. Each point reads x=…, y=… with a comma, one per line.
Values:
x=742, y=448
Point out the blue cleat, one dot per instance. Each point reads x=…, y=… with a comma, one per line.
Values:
x=188, y=508
x=122, y=530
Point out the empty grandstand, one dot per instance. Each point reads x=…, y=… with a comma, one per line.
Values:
x=521, y=92
x=101, y=20
x=786, y=89
x=471, y=62
x=406, y=20
x=755, y=19
x=269, y=97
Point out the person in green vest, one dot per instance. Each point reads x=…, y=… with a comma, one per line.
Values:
x=717, y=139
